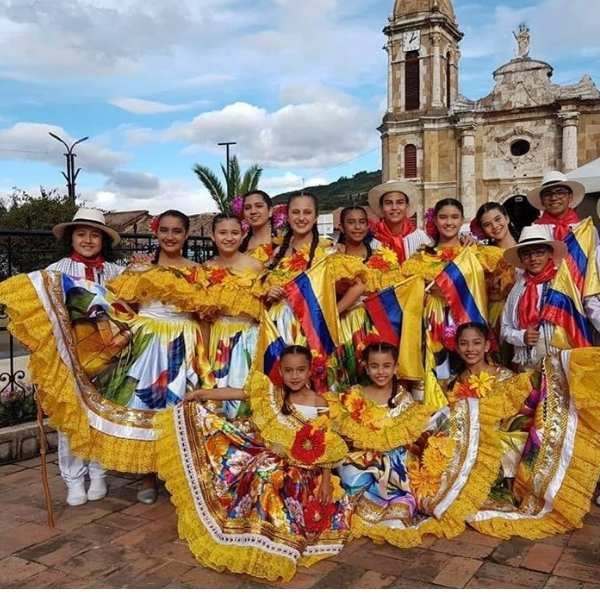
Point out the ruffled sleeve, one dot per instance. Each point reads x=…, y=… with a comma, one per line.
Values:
x=488, y=257
x=140, y=284
x=306, y=443
x=235, y=294
x=377, y=428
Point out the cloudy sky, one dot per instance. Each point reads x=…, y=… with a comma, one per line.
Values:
x=300, y=85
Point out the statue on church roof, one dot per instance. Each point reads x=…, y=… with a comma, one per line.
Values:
x=523, y=37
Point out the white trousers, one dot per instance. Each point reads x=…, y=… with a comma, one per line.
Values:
x=73, y=468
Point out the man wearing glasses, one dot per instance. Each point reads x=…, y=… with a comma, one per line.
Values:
x=557, y=198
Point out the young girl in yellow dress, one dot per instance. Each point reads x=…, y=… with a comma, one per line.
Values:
x=235, y=291
x=256, y=210
x=300, y=249
x=414, y=471
x=370, y=263
x=444, y=226
x=167, y=358
x=257, y=503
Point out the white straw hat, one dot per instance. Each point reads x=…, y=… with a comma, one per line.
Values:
x=378, y=191
x=91, y=217
x=535, y=235
x=554, y=178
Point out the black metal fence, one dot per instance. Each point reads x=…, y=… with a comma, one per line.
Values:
x=23, y=251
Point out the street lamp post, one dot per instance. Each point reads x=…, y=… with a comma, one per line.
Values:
x=227, y=145
x=71, y=174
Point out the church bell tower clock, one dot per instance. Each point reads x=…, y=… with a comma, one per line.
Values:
x=423, y=56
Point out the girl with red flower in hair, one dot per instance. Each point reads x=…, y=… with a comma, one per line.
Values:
x=235, y=291
x=444, y=223
x=258, y=500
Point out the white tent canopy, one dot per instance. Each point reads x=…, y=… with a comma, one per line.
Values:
x=589, y=175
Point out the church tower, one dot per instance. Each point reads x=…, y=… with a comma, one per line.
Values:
x=423, y=57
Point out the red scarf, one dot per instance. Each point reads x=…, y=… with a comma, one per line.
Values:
x=90, y=264
x=394, y=241
x=561, y=224
x=528, y=310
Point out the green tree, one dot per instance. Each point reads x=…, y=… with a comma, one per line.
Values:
x=21, y=253
x=234, y=185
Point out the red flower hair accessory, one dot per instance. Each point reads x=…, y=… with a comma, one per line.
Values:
x=430, y=227
x=318, y=371
x=317, y=516
x=309, y=444
x=154, y=223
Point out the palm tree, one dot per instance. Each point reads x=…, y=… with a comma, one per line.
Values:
x=235, y=184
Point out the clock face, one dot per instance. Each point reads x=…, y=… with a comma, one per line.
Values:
x=411, y=41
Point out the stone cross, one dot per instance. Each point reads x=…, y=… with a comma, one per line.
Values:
x=523, y=37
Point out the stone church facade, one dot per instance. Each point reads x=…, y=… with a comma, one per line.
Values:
x=495, y=148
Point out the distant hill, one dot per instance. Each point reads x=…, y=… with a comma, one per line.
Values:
x=343, y=192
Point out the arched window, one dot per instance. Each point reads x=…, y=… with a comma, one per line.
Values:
x=448, y=80
x=412, y=81
x=410, y=161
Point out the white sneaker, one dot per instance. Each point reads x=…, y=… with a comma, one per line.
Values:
x=97, y=489
x=598, y=500
x=76, y=495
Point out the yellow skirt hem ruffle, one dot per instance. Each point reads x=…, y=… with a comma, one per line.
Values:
x=56, y=386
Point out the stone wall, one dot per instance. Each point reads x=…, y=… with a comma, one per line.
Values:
x=21, y=442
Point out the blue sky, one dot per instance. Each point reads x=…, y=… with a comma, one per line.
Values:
x=300, y=85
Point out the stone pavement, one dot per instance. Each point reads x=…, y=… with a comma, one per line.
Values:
x=118, y=543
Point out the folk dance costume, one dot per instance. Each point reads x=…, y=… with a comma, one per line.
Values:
x=526, y=303
x=237, y=298
x=439, y=322
x=102, y=369
x=281, y=313
x=409, y=239
x=419, y=473
x=73, y=468
x=246, y=501
x=558, y=429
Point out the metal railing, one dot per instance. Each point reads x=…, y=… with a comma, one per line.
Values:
x=23, y=251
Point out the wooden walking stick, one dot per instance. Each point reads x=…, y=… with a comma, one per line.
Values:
x=44, y=470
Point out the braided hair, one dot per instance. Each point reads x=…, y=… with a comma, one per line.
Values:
x=436, y=209
x=294, y=350
x=185, y=221
x=367, y=239
x=385, y=348
x=269, y=202
x=287, y=238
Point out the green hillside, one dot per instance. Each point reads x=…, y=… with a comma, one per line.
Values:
x=343, y=192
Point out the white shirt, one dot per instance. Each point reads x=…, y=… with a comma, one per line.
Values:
x=514, y=335
x=412, y=242
x=77, y=269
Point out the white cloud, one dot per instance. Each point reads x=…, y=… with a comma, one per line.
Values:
x=316, y=134
x=31, y=141
x=139, y=106
x=279, y=184
x=166, y=193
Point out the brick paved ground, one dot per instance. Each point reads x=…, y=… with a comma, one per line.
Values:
x=119, y=543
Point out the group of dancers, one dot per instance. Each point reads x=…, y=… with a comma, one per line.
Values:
x=295, y=393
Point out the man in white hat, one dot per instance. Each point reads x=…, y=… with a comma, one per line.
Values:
x=538, y=257
x=390, y=201
x=557, y=197
x=88, y=241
